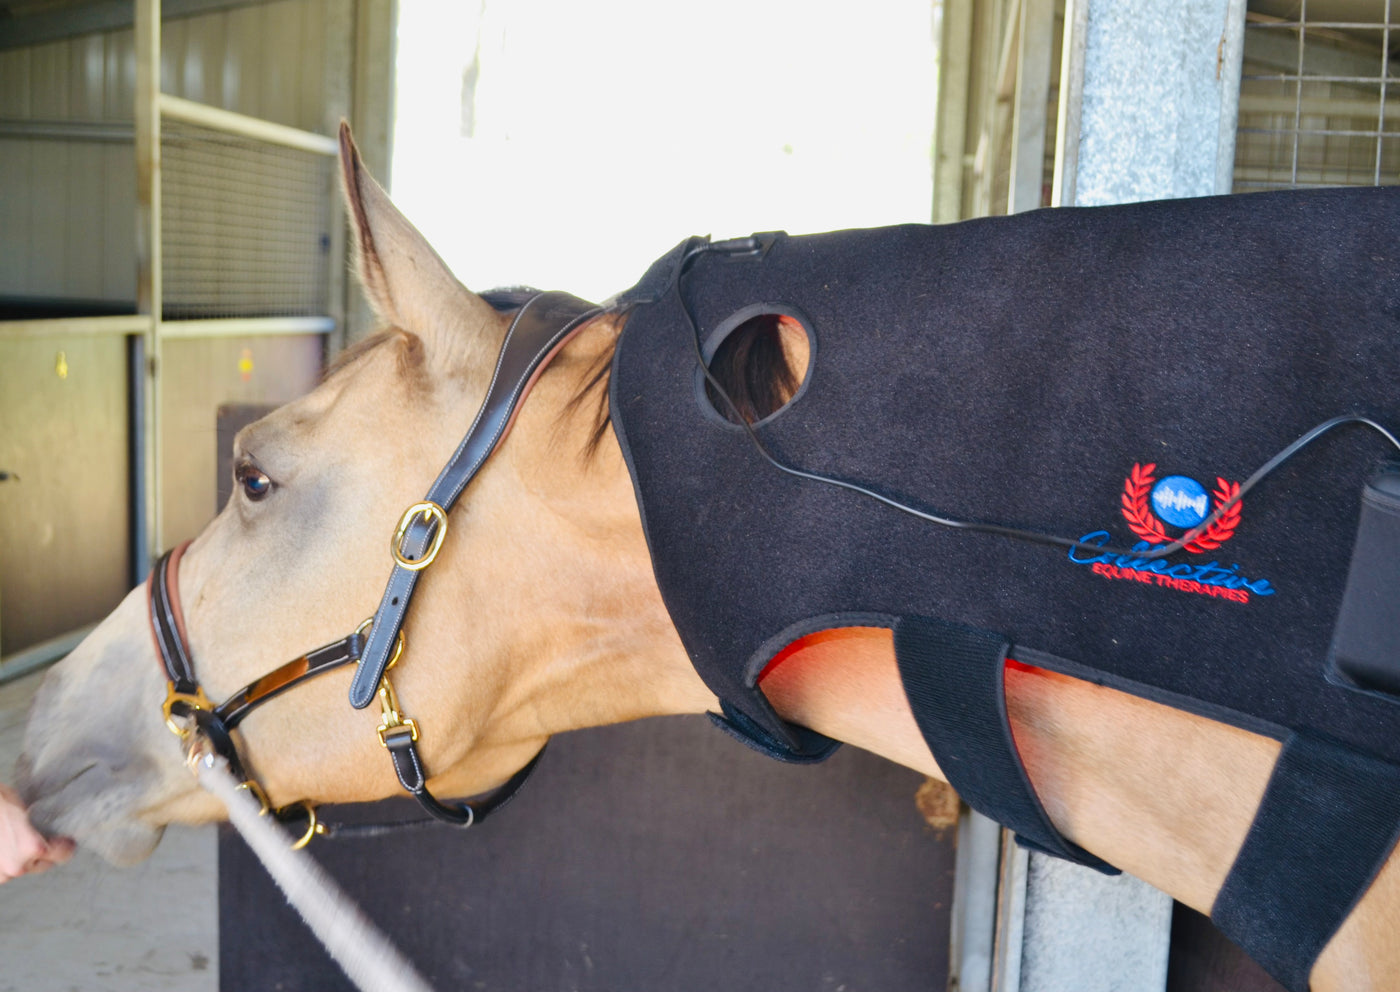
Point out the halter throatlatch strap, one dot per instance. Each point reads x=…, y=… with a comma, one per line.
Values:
x=350, y=821
x=540, y=328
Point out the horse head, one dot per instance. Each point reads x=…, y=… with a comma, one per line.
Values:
x=538, y=605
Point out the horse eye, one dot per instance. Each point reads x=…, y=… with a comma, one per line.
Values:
x=255, y=482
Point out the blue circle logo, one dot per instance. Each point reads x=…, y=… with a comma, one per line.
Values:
x=1180, y=501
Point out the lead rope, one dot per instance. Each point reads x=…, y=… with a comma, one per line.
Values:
x=366, y=955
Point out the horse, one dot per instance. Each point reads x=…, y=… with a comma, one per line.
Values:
x=542, y=615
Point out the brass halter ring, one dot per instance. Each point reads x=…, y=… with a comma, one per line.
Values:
x=257, y=793
x=365, y=625
x=313, y=826
x=429, y=511
x=198, y=701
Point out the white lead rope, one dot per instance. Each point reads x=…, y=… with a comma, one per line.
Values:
x=368, y=958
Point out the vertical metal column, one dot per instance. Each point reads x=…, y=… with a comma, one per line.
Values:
x=146, y=428
x=338, y=83
x=972, y=936
x=1025, y=192
x=373, y=114
x=1149, y=93
x=1155, y=93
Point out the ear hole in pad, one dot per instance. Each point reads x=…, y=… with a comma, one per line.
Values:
x=762, y=360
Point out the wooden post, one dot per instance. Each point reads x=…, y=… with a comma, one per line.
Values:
x=1029, y=115
x=950, y=138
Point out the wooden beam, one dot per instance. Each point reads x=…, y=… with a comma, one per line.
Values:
x=1037, y=39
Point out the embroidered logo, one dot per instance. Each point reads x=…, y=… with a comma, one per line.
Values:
x=1181, y=502
x=1151, y=505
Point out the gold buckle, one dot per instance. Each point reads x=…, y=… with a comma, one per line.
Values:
x=430, y=511
x=389, y=713
x=198, y=701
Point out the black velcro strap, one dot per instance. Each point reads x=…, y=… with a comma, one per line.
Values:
x=1323, y=830
x=809, y=747
x=954, y=677
x=657, y=281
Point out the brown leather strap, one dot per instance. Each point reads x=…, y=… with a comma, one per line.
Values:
x=345, y=651
x=537, y=333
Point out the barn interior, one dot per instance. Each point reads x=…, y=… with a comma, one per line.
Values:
x=173, y=263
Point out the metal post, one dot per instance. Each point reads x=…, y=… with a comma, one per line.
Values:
x=1072, y=47
x=1011, y=915
x=996, y=123
x=1125, y=135
x=1138, y=135
x=373, y=106
x=146, y=440
x=1229, y=65
x=974, y=910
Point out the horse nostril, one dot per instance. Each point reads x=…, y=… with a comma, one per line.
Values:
x=77, y=777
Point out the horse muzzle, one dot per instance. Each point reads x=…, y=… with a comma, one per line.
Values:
x=94, y=766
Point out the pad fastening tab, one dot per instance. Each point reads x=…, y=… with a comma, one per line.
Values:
x=1323, y=830
x=954, y=677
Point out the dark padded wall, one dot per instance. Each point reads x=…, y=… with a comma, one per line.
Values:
x=1204, y=960
x=645, y=857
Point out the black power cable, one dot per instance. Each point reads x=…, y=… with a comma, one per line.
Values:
x=744, y=246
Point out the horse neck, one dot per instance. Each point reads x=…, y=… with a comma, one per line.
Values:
x=590, y=640
x=1164, y=794
x=1154, y=790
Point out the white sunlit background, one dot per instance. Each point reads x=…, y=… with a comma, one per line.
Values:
x=566, y=145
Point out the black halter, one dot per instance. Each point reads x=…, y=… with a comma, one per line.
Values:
x=538, y=331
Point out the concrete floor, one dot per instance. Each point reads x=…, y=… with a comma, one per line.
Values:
x=88, y=927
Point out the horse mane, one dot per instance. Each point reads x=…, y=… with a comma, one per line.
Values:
x=751, y=364
x=596, y=378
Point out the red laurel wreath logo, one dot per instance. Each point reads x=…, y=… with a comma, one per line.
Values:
x=1137, y=490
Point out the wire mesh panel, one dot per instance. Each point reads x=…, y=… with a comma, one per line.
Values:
x=245, y=226
x=1317, y=107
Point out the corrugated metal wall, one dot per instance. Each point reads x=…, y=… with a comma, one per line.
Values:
x=67, y=207
x=67, y=200
x=246, y=232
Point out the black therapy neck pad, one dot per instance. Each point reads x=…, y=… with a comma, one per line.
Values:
x=1052, y=371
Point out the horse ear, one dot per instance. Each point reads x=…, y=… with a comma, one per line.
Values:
x=405, y=280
